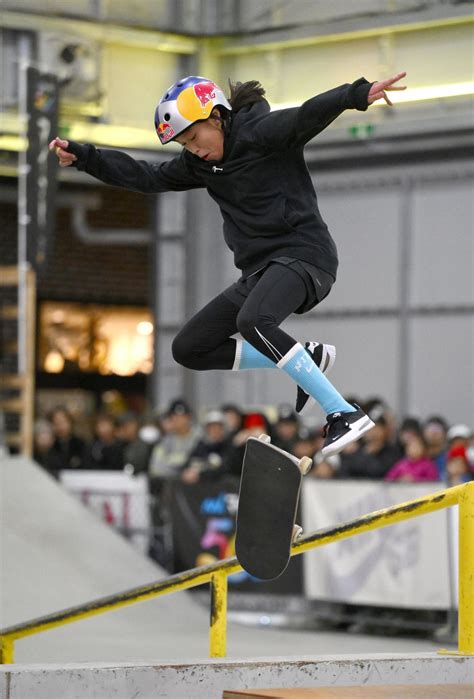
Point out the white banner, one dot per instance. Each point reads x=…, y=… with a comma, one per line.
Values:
x=119, y=499
x=402, y=565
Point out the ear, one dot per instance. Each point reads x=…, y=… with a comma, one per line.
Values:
x=216, y=115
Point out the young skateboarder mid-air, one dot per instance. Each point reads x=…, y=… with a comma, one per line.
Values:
x=251, y=162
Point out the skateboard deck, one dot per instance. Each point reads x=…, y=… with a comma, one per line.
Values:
x=268, y=500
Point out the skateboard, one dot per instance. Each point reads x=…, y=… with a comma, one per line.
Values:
x=268, y=499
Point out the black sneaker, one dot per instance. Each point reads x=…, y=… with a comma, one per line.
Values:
x=324, y=357
x=343, y=428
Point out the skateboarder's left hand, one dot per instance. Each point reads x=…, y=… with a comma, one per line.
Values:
x=379, y=89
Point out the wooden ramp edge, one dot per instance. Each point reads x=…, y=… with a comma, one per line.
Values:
x=402, y=691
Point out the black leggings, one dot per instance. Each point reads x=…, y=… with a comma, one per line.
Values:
x=271, y=296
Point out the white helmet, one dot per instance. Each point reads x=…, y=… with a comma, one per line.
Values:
x=189, y=100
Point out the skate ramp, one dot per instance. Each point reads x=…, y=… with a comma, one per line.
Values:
x=55, y=554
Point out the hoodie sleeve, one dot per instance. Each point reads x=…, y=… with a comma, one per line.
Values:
x=119, y=169
x=298, y=125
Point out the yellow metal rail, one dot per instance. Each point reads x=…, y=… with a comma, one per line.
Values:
x=217, y=574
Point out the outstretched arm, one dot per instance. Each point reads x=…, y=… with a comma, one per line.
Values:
x=119, y=169
x=299, y=125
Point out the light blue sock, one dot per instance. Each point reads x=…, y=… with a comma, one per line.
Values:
x=247, y=357
x=299, y=365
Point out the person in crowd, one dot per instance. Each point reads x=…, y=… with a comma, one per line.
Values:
x=415, y=466
x=305, y=445
x=234, y=418
x=254, y=424
x=459, y=435
x=377, y=406
x=375, y=455
x=150, y=433
x=136, y=452
x=208, y=458
x=458, y=469
x=43, y=447
x=435, y=432
x=105, y=451
x=410, y=427
x=68, y=448
x=285, y=432
x=171, y=454
x=325, y=466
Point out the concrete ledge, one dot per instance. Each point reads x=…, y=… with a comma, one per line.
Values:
x=207, y=679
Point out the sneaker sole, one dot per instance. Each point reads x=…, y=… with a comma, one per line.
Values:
x=357, y=430
x=327, y=362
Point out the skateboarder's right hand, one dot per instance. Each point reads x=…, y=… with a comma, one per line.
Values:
x=59, y=146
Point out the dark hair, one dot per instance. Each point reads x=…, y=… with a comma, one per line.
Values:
x=59, y=409
x=438, y=420
x=243, y=94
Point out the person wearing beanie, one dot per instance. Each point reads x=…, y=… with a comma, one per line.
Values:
x=458, y=469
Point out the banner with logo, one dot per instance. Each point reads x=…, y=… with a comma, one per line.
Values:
x=42, y=109
x=203, y=517
x=402, y=565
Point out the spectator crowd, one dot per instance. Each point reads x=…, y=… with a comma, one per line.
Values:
x=175, y=445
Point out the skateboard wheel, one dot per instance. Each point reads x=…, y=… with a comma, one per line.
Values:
x=265, y=438
x=305, y=465
x=297, y=532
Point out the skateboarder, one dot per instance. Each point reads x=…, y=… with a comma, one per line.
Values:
x=251, y=162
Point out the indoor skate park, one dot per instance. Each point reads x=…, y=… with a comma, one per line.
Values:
x=120, y=467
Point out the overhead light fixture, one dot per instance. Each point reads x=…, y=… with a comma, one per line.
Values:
x=431, y=92
x=413, y=94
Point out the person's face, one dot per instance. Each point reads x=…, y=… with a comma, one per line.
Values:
x=405, y=436
x=44, y=440
x=181, y=423
x=456, y=466
x=105, y=429
x=61, y=425
x=377, y=436
x=233, y=420
x=128, y=431
x=215, y=432
x=287, y=429
x=204, y=139
x=415, y=449
x=435, y=436
x=303, y=447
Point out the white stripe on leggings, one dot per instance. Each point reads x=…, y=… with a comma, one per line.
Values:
x=269, y=345
x=238, y=355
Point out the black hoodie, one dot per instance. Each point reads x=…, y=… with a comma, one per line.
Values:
x=262, y=185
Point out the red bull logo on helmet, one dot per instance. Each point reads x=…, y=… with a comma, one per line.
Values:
x=205, y=92
x=165, y=132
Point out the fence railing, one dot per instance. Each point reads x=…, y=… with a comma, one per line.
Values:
x=217, y=573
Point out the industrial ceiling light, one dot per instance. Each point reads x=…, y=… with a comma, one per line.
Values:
x=414, y=94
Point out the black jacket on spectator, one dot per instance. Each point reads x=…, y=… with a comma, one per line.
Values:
x=211, y=456
x=101, y=456
x=363, y=465
x=68, y=453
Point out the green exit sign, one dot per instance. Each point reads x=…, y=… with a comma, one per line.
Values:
x=361, y=131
